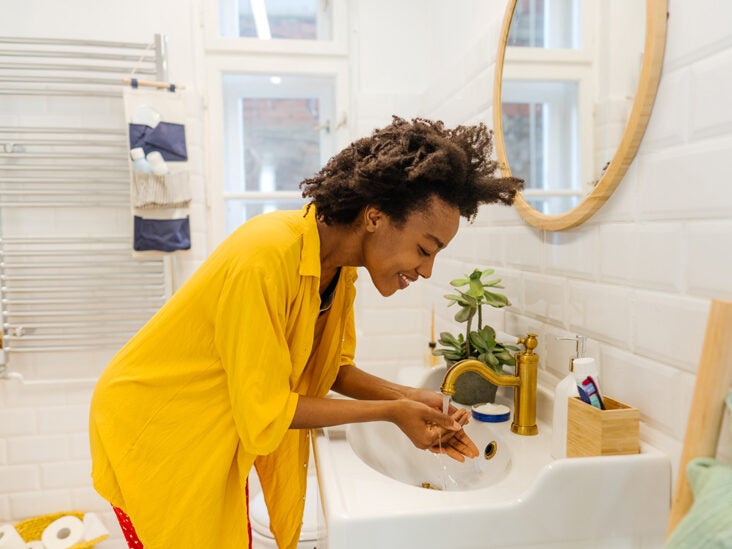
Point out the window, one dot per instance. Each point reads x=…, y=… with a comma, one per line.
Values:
x=275, y=19
x=277, y=74
x=551, y=24
x=546, y=102
x=278, y=130
x=540, y=130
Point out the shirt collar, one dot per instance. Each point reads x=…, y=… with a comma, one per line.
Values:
x=310, y=256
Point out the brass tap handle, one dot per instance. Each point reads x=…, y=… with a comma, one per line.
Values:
x=530, y=342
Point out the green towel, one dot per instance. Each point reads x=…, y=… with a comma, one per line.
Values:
x=708, y=524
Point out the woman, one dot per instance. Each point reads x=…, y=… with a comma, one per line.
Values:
x=232, y=371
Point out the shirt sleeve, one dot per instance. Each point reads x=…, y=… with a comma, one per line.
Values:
x=250, y=339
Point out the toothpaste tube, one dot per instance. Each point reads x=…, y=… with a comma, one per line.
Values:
x=590, y=393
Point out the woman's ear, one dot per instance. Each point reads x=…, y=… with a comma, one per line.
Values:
x=373, y=217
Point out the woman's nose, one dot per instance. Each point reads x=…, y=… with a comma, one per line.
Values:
x=425, y=268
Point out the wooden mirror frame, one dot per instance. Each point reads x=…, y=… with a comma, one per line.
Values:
x=650, y=74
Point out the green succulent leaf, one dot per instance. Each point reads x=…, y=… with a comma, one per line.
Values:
x=477, y=341
x=448, y=354
x=463, y=315
x=484, y=340
x=469, y=299
x=496, y=300
x=472, y=292
x=447, y=339
x=476, y=288
x=504, y=356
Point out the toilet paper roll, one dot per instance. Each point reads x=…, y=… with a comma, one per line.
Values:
x=93, y=527
x=10, y=538
x=63, y=533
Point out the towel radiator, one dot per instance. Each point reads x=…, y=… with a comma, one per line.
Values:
x=69, y=283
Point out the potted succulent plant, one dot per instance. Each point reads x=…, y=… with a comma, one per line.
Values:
x=471, y=293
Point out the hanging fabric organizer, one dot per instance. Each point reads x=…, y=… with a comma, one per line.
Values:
x=159, y=177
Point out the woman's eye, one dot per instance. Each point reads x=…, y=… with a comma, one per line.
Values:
x=423, y=251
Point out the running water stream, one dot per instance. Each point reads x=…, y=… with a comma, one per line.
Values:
x=446, y=481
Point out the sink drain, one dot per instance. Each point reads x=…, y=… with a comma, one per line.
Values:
x=490, y=449
x=430, y=486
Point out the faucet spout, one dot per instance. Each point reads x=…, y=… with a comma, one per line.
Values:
x=476, y=366
x=524, y=384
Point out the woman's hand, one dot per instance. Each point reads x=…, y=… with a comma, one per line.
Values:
x=428, y=428
x=456, y=444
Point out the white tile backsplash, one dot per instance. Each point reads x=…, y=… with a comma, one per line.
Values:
x=574, y=252
x=522, y=248
x=65, y=474
x=653, y=388
x=545, y=297
x=18, y=421
x=669, y=328
x=671, y=113
x=709, y=274
x=693, y=35
x=64, y=419
x=19, y=478
x=688, y=182
x=600, y=311
x=708, y=91
x=619, y=252
x=37, y=449
x=660, y=252
x=31, y=504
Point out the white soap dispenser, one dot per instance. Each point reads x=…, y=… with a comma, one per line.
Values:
x=564, y=390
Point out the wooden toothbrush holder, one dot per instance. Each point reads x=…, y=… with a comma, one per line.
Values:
x=595, y=432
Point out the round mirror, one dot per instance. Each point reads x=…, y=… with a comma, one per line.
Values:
x=574, y=87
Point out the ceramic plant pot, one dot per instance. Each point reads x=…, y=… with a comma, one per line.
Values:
x=470, y=388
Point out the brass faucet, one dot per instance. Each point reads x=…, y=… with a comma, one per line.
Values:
x=524, y=384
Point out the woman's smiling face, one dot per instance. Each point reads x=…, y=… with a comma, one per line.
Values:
x=397, y=255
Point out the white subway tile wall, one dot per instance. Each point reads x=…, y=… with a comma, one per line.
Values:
x=637, y=278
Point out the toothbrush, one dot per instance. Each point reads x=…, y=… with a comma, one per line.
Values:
x=591, y=393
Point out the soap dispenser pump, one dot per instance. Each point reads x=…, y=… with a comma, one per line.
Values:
x=565, y=389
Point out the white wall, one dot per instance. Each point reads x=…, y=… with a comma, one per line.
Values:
x=44, y=454
x=636, y=279
x=441, y=61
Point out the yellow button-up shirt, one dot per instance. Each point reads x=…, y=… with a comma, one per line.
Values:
x=210, y=384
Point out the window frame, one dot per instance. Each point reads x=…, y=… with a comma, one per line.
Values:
x=217, y=66
x=568, y=65
x=214, y=43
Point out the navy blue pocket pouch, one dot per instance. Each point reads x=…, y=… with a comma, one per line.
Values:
x=163, y=235
x=167, y=138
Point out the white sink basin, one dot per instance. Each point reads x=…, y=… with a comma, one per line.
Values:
x=370, y=481
x=383, y=447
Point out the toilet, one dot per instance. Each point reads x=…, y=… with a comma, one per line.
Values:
x=262, y=538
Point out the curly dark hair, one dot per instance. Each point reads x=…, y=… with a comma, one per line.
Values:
x=400, y=167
